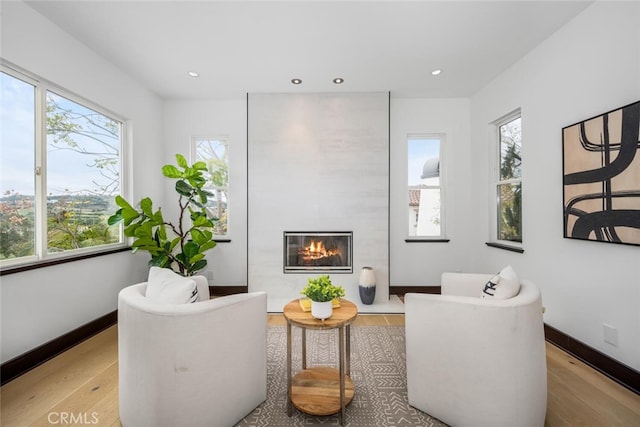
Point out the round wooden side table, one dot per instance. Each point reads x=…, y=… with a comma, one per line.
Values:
x=321, y=390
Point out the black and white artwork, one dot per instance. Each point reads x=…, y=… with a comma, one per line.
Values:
x=601, y=168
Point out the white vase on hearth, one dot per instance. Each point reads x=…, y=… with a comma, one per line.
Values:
x=367, y=285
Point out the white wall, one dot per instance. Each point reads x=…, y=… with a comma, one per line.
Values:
x=42, y=304
x=184, y=119
x=590, y=66
x=420, y=263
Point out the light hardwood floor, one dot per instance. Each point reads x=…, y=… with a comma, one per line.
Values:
x=82, y=385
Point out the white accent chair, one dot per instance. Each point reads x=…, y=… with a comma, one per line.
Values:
x=200, y=364
x=477, y=361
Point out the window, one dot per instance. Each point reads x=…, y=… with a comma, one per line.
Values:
x=61, y=160
x=214, y=152
x=508, y=185
x=425, y=186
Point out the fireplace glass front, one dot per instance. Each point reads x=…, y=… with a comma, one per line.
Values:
x=318, y=252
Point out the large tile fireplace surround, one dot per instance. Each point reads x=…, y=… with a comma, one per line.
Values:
x=318, y=163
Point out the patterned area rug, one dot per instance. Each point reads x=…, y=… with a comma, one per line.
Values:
x=378, y=372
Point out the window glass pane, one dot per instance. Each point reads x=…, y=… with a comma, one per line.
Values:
x=214, y=153
x=510, y=145
x=83, y=175
x=510, y=212
x=17, y=154
x=424, y=187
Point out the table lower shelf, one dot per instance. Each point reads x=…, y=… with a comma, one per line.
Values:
x=316, y=391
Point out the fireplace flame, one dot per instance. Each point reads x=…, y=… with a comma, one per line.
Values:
x=317, y=250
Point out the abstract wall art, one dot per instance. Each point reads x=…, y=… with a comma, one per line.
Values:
x=601, y=176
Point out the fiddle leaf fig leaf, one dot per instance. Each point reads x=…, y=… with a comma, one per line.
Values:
x=120, y=201
x=209, y=245
x=130, y=231
x=174, y=243
x=196, y=258
x=200, y=236
x=115, y=218
x=182, y=162
x=171, y=171
x=128, y=215
x=143, y=242
x=146, y=205
x=183, y=188
x=200, y=166
x=197, y=266
x=191, y=249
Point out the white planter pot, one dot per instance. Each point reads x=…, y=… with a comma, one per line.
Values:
x=321, y=310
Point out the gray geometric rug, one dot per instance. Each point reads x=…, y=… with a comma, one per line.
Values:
x=378, y=372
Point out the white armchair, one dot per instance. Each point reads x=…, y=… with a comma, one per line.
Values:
x=477, y=361
x=200, y=364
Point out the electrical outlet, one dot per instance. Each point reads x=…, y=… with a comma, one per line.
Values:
x=209, y=276
x=610, y=334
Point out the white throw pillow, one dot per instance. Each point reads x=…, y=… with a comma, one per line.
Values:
x=503, y=285
x=166, y=286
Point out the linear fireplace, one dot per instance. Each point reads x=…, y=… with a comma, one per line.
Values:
x=318, y=252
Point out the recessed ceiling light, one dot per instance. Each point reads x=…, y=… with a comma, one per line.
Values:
x=194, y=74
x=338, y=80
x=436, y=72
x=296, y=81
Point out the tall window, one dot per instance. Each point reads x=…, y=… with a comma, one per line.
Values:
x=425, y=186
x=60, y=172
x=214, y=152
x=509, y=179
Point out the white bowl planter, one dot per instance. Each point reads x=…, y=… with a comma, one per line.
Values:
x=321, y=310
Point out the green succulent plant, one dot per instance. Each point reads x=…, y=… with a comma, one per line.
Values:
x=321, y=289
x=180, y=246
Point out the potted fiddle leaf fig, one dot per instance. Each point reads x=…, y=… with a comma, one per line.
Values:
x=321, y=291
x=179, y=245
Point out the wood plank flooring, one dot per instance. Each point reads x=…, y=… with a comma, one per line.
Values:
x=80, y=387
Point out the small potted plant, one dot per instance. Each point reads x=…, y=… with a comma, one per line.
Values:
x=321, y=291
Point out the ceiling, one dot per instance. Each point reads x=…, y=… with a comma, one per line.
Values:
x=240, y=46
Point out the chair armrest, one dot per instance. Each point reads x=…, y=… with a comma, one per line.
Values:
x=464, y=284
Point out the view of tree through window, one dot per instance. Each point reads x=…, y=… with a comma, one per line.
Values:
x=509, y=188
x=83, y=175
x=424, y=185
x=77, y=174
x=17, y=186
x=213, y=151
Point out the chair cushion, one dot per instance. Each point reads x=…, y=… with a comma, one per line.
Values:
x=503, y=285
x=166, y=286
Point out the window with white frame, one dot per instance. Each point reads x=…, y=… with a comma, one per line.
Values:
x=425, y=186
x=508, y=179
x=61, y=162
x=214, y=152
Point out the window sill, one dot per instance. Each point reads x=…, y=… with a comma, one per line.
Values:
x=505, y=247
x=426, y=240
x=19, y=268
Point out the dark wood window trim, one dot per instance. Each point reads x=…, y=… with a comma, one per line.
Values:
x=48, y=263
x=427, y=240
x=505, y=247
